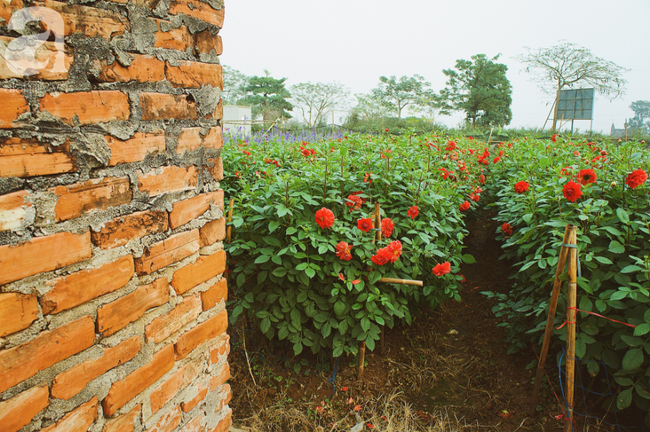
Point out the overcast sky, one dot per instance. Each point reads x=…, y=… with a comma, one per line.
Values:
x=355, y=42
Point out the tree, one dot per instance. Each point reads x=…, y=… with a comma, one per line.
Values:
x=234, y=84
x=314, y=101
x=267, y=97
x=480, y=88
x=396, y=95
x=641, y=110
x=570, y=66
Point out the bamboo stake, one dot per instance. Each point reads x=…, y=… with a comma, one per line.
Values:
x=402, y=281
x=382, y=348
x=557, y=287
x=572, y=316
x=231, y=205
x=362, y=359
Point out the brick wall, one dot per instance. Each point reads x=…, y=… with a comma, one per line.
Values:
x=112, y=301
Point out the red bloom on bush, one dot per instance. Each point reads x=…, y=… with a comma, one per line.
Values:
x=445, y=173
x=521, y=186
x=474, y=197
x=366, y=178
x=572, y=191
x=364, y=225
x=496, y=159
x=343, y=251
x=464, y=206
x=450, y=146
x=442, y=269
x=354, y=202
x=554, y=138
x=305, y=152
x=387, y=227
x=507, y=229
x=587, y=176
x=482, y=179
x=386, y=154
x=382, y=257
x=413, y=212
x=325, y=218
x=636, y=178
x=395, y=249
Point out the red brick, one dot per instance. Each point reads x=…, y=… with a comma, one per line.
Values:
x=220, y=348
x=206, y=42
x=29, y=158
x=218, y=111
x=21, y=409
x=180, y=379
x=172, y=179
x=78, y=420
x=213, y=232
x=168, y=251
x=135, y=149
x=166, y=325
x=191, y=74
x=13, y=106
x=216, y=169
x=194, y=425
x=36, y=256
x=95, y=194
x=161, y=106
x=168, y=422
x=178, y=39
x=13, y=208
x=72, y=381
x=203, y=332
x=215, y=294
x=201, y=393
x=123, y=229
x=123, y=423
x=226, y=398
x=191, y=139
x=205, y=268
x=123, y=311
x=89, y=107
x=89, y=21
x=187, y=210
x=56, y=63
x=199, y=10
x=45, y=350
x=17, y=312
x=224, y=424
x=139, y=380
x=142, y=69
x=7, y=8
x=221, y=378
x=83, y=286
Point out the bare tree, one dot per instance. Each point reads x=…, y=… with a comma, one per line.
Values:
x=570, y=66
x=234, y=83
x=314, y=101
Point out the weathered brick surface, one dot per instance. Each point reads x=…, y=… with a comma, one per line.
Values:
x=28, y=158
x=166, y=325
x=221, y=378
x=199, y=10
x=220, y=348
x=194, y=425
x=123, y=423
x=215, y=167
x=13, y=208
x=201, y=393
x=189, y=74
x=48, y=348
x=78, y=420
x=135, y=149
x=187, y=210
x=213, y=232
x=56, y=63
x=118, y=314
x=203, y=332
x=179, y=379
x=87, y=107
x=215, y=294
x=137, y=381
x=191, y=139
x=142, y=69
x=35, y=256
x=121, y=230
x=21, y=409
x=179, y=39
x=13, y=106
x=172, y=179
x=7, y=8
x=72, y=381
x=227, y=396
x=17, y=312
x=96, y=194
x=161, y=106
x=168, y=422
x=206, y=43
x=205, y=268
x=88, y=21
x=168, y=251
x=224, y=424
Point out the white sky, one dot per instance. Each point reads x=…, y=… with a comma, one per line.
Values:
x=355, y=42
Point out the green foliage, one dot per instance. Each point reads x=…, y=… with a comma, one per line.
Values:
x=234, y=85
x=268, y=97
x=314, y=101
x=395, y=95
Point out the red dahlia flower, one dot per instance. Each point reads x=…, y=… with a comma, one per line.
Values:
x=554, y=138
x=442, y=269
x=395, y=249
x=507, y=229
x=450, y=146
x=496, y=159
x=305, y=152
x=572, y=191
x=387, y=227
x=413, y=212
x=364, y=225
x=366, y=178
x=587, y=176
x=343, y=251
x=521, y=186
x=382, y=257
x=474, y=197
x=464, y=206
x=636, y=178
x=482, y=179
x=325, y=218
x=354, y=202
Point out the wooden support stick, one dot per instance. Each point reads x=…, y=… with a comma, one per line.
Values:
x=362, y=359
x=231, y=205
x=378, y=221
x=572, y=317
x=402, y=281
x=557, y=287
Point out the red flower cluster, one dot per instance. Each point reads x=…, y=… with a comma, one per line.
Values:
x=366, y=178
x=246, y=152
x=442, y=269
x=355, y=202
x=482, y=179
x=474, y=197
x=413, y=212
x=496, y=159
x=451, y=146
x=364, y=225
x=507, y=229
x=483, y=158
x=387, y=227
x=464, y=206
x=554, y=138
x=305, y=151
x=325, y=218
x=636, y=178
x=388, y=254
x=572, y=191
x=521, y=186
x=587, y=176
x=386, y=154
x=343, y=251
x=273, y=162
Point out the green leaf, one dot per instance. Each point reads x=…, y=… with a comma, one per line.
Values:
x=241, y=279
x=291, y=230
x=326, y=330
x=310, y=272
x=622, y=215
x=370, y=343
x=339, y=308
x=468, y=259
x=279, y=272
x=283, y=333
x=338, y=351
x=624, y=399
x=616, y=248
x=642, y=329
x=273, y=225
x=633, y=359
x=631, y=269
x=261, y=277
x=262, y=259
x=265, y=325
x=604, y=260
x=297, y=348
x=302, y=266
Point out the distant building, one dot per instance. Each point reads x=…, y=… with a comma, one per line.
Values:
x=620, y=133
x=237, y=120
